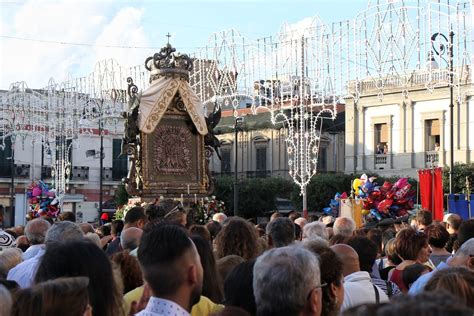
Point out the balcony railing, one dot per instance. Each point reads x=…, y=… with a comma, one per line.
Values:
x=431, y=159
x=381, y=161
x=21, y=171
x=412, y=80
x=113, y=174
x=246, y=174
x=80, y=173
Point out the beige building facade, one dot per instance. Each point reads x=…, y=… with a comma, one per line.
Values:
x=407, y=129
x=262, y=150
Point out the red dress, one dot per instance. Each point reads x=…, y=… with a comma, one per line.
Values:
x=398, y=280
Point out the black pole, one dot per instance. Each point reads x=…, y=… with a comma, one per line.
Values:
x=12, y=185
x=42, y=162
x=236, y=185
x=451, y=111
x=101, y=132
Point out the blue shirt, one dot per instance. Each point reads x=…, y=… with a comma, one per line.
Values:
x=419, y=285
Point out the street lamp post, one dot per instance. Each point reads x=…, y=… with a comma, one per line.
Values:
x=451, y=111
x=12, y=184
x=440, y=51
x=237, y=127
x=101, y=162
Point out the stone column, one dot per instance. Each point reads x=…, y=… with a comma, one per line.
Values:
x=463, y=131
x=360, y=143
x=409, y=131
x=351, y=137
x=402, y=132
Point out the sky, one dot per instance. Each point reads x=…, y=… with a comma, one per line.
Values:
x=37, y=37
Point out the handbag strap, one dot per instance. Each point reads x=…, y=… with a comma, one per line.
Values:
x=377, y=295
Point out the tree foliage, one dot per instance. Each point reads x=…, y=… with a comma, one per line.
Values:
x=461, y=172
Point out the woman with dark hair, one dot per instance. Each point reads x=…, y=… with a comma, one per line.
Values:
x=200, y=230
x=63, y=296
x=412, y=247
x=413, y=272
x=238, y=288
x=237, y=237
x=82, y=258
x=331, y=274
x=211, y=284
x=438, y=237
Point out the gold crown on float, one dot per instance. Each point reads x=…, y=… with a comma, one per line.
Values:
x=169, y=63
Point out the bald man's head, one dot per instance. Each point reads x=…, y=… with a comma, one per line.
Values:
x=130, y=238
x=349, y=258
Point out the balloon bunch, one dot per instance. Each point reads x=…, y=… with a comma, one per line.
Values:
x=386, y=201
x=42, y=201
x=333, y=208
x=363, y=186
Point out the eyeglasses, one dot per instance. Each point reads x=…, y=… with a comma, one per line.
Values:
x=176, y=209
x=314, y=288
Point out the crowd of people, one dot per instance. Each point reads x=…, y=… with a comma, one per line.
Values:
x=156, y=261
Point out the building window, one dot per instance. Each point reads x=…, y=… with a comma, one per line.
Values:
x=432, y=137
x=322, y=159
x=261, y=160
x=381, y=138
x=225, y=161
x=5, y=156
x=119, y=162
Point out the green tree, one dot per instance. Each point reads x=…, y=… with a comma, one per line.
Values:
x=461, y=172
x=257, y=196
x=321, y=190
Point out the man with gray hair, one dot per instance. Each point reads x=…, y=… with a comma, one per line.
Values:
x=24, y=272
x=315, y=229
x=344, y=226
x=35, y=232
x=280, y=232
x=130, y=238
x=287, y=282
x=464, y=257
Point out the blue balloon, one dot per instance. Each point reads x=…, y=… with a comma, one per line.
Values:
x=376, y=214
x=327, y=210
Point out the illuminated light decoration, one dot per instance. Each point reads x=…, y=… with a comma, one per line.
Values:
x=57, y=115
x=299, y=76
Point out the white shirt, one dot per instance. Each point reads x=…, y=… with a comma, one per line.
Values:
x=159, y=306
x=359, y=289
x=32, y=251
x=24, y=273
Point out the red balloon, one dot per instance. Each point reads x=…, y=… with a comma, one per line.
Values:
x=386, y=187
x=384, y=205
x=401, y=193
x=376, y=195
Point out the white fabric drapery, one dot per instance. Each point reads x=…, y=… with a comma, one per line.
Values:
x=155, y=100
